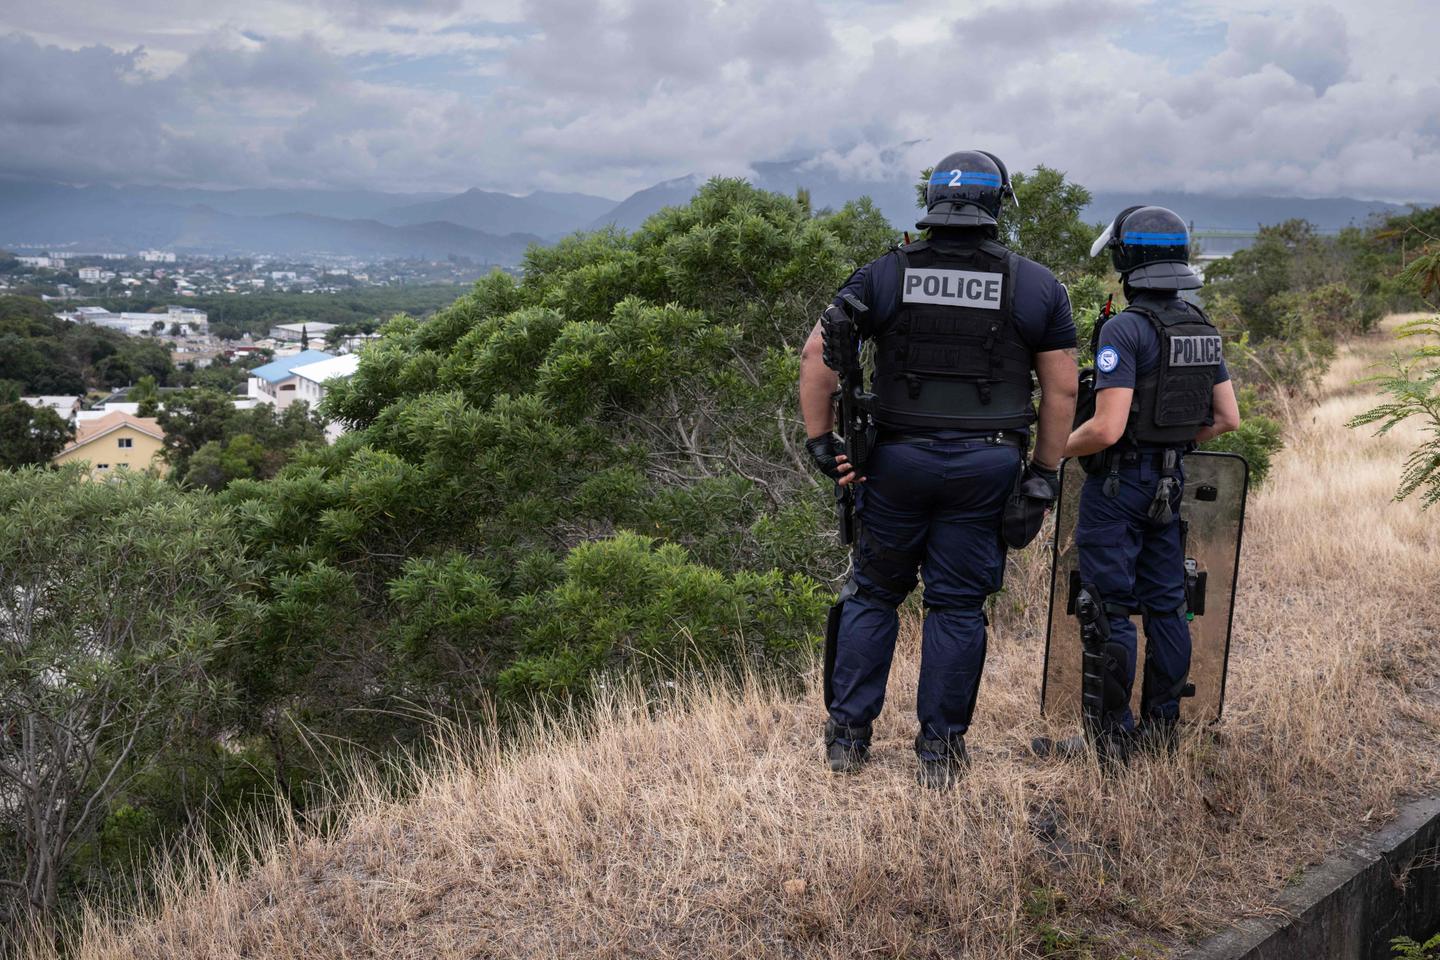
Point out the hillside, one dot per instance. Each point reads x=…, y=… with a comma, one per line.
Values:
x=706, y=825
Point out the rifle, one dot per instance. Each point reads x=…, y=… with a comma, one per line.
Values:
x=855, y=409
x=855, y=422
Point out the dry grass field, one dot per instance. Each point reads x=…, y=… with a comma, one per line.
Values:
x=707, y=826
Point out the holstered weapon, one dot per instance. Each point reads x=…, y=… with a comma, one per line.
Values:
x=855, y=409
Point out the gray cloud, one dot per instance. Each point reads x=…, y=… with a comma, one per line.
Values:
x=612, y=95
x=1313, y=46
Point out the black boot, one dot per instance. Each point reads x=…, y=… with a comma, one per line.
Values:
x=846, y=748
x=941, y=762
x=1158, y=736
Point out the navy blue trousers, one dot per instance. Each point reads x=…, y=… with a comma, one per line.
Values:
x=1135, y=564
x=933, y=507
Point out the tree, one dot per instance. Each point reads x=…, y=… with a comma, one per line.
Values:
x=147, y=394
x=218, y=462
x=1046, y=226
x=1413, y=384
x=115, y=599
x=30, y=435
x=597, y=468
x=196, y=419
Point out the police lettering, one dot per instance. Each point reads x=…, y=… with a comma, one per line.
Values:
x=1199, y=351
x=953, y=288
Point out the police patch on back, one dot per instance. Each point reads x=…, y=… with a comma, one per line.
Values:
x=1195, y=351
x=953, y=288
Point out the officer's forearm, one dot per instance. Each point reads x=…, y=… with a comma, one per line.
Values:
x=1058, y=388
x=1057, y=412
x=1086, y=439
x=818, y=384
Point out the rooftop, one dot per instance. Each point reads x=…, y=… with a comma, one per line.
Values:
x=88, y=430
x=284, y=368
x=319, y=372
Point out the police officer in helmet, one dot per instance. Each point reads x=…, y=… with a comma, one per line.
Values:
x=1161, y=386
x=958, y=324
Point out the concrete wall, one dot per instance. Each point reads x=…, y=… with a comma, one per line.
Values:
x=1348, y=908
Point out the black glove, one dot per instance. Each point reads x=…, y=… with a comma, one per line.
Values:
x=1035, y=492
x=823, y=450
x=1051, y=478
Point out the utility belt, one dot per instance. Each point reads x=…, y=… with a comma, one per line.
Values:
x=998, y=439
x=1108, y=464
x=1100, y=464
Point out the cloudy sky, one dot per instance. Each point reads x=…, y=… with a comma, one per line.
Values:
x=1294, y=97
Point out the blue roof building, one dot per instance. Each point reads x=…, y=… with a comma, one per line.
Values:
x=282, y=369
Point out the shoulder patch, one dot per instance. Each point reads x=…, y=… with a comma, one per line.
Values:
x=1107, y=359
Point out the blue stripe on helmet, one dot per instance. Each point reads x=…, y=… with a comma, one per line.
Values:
x=1155, y=239
x=942, y=178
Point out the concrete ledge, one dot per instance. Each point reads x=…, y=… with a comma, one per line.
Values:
x=1349, y=907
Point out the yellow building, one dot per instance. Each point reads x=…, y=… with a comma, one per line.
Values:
x=116, y=441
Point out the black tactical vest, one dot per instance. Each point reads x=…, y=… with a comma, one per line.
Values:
x=952, y=357
x=1175, y=399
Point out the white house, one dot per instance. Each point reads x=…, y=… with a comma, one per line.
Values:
x=276, y=382
x=139, y=324
x=311, y=380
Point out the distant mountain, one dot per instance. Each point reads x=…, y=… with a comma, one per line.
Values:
x=1208, y=212
x=578, y=203
x=496, y=227
x=549, y=215
x=641, y=205
x=102, y=219
x=303, y=233
x=345, y=204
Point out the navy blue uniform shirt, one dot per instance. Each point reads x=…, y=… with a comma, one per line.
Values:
x=1130, y=348
x=1042, y=308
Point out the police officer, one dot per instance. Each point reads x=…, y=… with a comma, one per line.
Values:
x=958, y=323
x=1160, y=387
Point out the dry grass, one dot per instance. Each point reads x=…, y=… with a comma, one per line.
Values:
x=708, y=826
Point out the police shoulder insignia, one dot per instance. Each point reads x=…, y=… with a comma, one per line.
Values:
x=1107, y=360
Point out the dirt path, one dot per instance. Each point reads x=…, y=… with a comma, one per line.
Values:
x=713, y=830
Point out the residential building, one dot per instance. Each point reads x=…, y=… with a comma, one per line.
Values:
x=157, y=256
x=293, y=332
x=277, y=383
x=189, y=320
x=115, y=441
x=311, y=380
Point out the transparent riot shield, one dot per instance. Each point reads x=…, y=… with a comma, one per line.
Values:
x=1214, y=512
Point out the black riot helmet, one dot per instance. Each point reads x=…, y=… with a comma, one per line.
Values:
x=965, y=190
x=1150, y=246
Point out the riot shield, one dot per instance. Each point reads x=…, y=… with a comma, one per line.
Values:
x=1213, y=509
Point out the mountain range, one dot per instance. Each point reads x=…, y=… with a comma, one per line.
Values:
x=490, y=227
